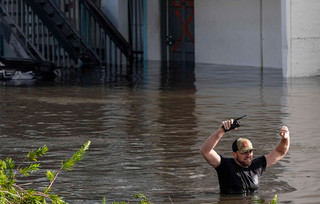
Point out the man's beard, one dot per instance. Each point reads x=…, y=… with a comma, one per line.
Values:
x=245, y=163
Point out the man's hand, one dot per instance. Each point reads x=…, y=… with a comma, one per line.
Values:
x=207, y=148
x=227, y=124
x=284, y=132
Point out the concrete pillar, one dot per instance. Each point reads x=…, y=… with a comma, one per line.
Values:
x=300, y=38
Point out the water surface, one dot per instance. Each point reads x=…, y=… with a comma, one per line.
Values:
x=146, y=129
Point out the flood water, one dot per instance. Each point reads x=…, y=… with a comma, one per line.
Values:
x=146, y=130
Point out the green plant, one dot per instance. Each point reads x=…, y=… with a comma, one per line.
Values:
x=13, y=193
x=143, y=200
x=274, y=201
x=263, y=201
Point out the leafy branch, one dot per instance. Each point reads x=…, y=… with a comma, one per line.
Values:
x=32, y=156
x=68, y=164
x=10, y=192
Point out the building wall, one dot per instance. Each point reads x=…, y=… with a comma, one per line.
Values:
x=232, y=32
x=271, y=29
x=111, y=9
x=123, y=19
x=301, y=37
x=229, y=32
x=272, y=33
x=117, y=13
x=153, y=30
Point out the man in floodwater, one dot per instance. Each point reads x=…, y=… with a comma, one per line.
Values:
x=241, y=174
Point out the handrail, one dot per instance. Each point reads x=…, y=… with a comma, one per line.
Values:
x=33, y=34
x=65, y=43
x=119, y=40
x=96, y=30
x=23, y=50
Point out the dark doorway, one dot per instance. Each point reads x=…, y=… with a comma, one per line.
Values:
x=178, y=31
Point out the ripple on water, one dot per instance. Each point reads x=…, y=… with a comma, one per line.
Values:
x=146, y=135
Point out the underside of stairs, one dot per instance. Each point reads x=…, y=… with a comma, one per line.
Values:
x=43, y=30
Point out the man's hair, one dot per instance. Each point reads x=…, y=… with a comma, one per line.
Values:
x=235, y=146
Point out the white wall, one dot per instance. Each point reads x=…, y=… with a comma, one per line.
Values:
x=301, y=37
x=228, y=32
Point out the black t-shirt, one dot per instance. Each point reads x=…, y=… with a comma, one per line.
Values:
x=238, y=180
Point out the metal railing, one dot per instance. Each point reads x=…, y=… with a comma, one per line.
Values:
x=96, y=30
x=80, y=21
x=33, y=33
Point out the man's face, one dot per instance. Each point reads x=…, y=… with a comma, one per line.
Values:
x=243, y=159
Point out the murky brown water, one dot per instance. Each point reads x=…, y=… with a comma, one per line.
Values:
x=146, y=131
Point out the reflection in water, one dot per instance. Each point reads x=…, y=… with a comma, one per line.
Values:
x=178, y=138
x=147, y=124
x=178, y=77
x=302, y=104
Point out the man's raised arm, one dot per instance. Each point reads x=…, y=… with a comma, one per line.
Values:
x=207, y=149
x=282, y=148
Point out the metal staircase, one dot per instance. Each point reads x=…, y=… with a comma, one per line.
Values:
x=67, y=33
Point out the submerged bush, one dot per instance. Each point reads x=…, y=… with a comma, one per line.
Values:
x=143, y=200
x=274, y=201
x=11, y=192
x=262, y=201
